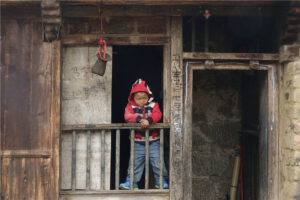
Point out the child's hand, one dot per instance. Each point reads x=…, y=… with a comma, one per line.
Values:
x=144, y=123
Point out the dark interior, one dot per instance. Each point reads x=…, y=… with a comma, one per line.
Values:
x=234, y=34
x=129, y=64
x=235, y=123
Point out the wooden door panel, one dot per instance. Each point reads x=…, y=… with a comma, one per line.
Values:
x=30, y=111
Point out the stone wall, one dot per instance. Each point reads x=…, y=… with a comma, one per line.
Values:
x=216, y=126
x=289, y=119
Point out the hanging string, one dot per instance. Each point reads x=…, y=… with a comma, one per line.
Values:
x=100, y=23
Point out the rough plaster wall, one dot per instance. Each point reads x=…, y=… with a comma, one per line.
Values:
x=289, y=118
x=216, y=126
x=86, y=99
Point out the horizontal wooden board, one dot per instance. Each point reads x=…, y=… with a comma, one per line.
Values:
x=229, y=56
x=115, y=25
x=111, y=126
x=114, y=39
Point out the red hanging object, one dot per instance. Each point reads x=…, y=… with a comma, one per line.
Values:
x=102, y=45
x=206, y=14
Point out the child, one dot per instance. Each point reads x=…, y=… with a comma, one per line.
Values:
x=141, y=109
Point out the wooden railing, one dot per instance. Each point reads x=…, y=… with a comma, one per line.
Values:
x=104, y=129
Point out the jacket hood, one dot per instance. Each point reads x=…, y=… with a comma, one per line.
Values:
x=140, y=86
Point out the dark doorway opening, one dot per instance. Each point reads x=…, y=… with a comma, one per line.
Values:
x=129, y=64
x=230, y=111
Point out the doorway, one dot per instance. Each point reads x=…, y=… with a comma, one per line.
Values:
x=229, y=110
x=129, y=64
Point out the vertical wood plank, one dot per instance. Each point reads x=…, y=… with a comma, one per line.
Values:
x=88, y=158
x=167, y=76
x=52, y=167
x=273, y=134
x=74, y=160
x=102, y=159
x=117, y=161
x=147, y=161
x=263, y=137
x=161, y=158
x=131, y=158
x=187, y=139
x=176, y=185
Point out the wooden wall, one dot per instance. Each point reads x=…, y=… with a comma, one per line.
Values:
x=30, y=107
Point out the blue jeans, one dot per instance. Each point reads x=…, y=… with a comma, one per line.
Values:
x=139, y=160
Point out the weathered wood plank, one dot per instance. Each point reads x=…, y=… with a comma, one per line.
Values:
x=273, y=134
x=176, y=126
x=112, y=126
x=80, y=40
x=92, y=10
x=188, y=135
x=25, y=153
x=167, y=76
x=225, y=66
x=229, y=56
x=123, y=192
x=263, y=137
x=166, y=2
x=52, y=165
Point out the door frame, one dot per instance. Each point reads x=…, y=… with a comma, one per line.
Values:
x=272, y=133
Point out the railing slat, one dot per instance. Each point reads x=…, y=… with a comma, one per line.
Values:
x=73, y=160
x=161, y=158
x=102, y=159
x=132, y=128
x=147, y=161
x=117, y=170
x=131, y=158
x=88, y=159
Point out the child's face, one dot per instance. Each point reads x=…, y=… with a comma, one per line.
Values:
x=140, y=98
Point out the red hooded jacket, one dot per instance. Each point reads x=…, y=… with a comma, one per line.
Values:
x=151, y=111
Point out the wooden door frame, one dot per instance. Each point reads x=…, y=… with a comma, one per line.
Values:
x=273, y=137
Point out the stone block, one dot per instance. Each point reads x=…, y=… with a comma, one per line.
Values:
x=292, y=67
x=296, y=80
x=293, y=173
x=200, y=144
x=289, y=53
x=201, y=164
x=224, y=135
x=203, y=189
x=293, y=111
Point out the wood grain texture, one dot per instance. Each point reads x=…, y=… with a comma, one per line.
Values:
x=30, y=109
x=176, y=126
x=229, y=56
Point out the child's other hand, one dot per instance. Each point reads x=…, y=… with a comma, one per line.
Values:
x=144, y=123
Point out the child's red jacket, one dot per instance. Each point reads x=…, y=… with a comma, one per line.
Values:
x=151, y=111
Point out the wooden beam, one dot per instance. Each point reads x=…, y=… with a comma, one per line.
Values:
x=228, y=66
x=91, y=10
x=115, y=39
x=111, y=126
x=25, y=153
x=273, y=133
x=116, y=192
x=176, y=126
x=230, y=56
x=168, y=2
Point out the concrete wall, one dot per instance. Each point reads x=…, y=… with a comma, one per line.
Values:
x=216, y=126
x=289, y=119
x=86, y=99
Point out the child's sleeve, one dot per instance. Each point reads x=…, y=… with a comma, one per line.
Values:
x=130, y=116
x=156, y=114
